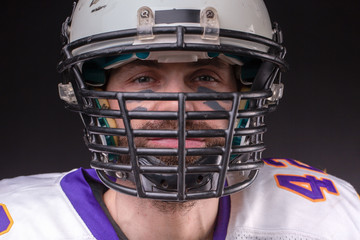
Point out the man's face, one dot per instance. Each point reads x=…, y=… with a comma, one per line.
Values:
x=204, y=76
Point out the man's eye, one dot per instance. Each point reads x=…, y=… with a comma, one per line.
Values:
x=205, y=78
x=143, y=79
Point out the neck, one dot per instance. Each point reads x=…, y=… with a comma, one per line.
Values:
x=150, y=219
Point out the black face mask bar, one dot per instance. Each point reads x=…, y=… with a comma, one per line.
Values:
x=207, y=176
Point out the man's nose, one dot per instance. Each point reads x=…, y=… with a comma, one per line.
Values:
x=174, y=86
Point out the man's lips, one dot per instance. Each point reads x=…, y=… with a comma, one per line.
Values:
x=173, y=143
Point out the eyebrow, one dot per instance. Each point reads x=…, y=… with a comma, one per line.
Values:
x=213, y=62
x=140, y=63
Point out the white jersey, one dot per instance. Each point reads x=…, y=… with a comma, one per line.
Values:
x=291, y=200
x=288, y=200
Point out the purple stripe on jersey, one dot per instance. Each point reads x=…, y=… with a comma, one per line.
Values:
x=4, y=220
x=222, y=219
x=81, y=197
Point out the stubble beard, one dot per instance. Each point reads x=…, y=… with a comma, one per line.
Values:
x=141, y=142
x=172, y=208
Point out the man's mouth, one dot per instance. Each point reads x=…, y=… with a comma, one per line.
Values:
x=174, y=143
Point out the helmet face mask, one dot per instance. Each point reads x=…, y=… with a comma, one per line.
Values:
x=172, y=34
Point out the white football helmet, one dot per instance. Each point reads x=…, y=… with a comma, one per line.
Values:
x=105, y=34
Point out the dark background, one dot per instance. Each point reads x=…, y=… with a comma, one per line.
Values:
x=317, y=121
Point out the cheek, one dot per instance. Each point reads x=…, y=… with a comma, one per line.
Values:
x=132, y=106
x=211, y=105
x=220, y=124
x=137, y=106
x=218, y=105
x=114, y=104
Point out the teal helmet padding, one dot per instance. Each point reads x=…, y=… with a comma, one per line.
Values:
x=94, y=71
x=248, y=69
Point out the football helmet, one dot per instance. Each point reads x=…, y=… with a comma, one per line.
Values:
x=101, y=35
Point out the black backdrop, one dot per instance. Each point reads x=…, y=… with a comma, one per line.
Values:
x=317, y=121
